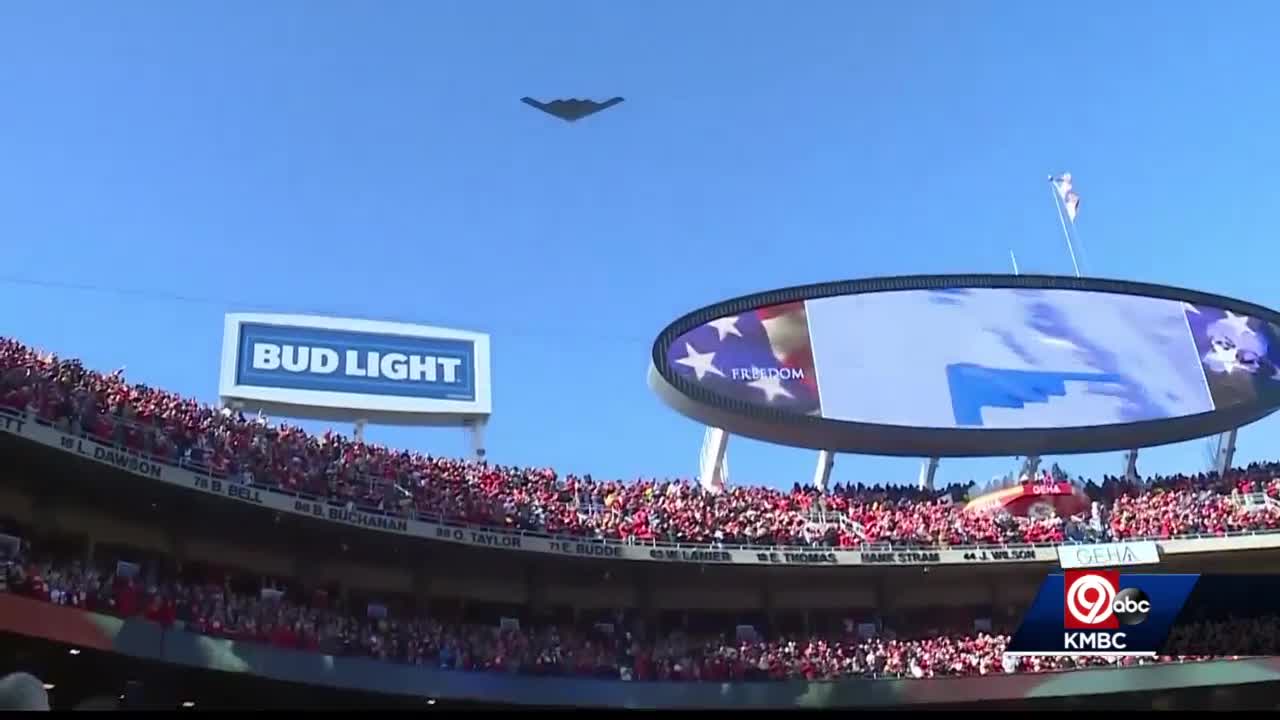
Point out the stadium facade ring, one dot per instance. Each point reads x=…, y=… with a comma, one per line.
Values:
x=972, y=365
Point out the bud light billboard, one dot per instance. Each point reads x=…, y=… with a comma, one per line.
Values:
x=973, y=365
x=309, y=366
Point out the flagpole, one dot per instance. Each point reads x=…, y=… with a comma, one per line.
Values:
x=1062, y=220
x=1015, y=262
x=1079, y=246
x=1131, y=457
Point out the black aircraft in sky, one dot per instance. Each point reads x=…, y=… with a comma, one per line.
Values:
x=571, y=110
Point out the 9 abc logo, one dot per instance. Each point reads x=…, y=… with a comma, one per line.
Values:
x=1094, y=601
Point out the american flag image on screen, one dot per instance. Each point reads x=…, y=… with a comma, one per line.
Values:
x=761, y=356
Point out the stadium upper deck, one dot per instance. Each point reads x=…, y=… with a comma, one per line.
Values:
x=176, y=430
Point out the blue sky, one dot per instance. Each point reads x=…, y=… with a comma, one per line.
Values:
x=164, y=163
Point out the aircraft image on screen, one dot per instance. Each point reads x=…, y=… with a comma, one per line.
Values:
x=974, y=388
x=1004, y=358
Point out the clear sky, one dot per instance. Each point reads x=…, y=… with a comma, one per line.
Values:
x=162, y=163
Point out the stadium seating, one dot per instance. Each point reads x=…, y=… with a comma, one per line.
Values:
x=180, y=430
x=629, y=652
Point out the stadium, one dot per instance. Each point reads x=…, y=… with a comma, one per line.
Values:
x=394, y=578
x=266, y=265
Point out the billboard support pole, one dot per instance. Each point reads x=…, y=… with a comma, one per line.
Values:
x=358, y=431
x=475, y=430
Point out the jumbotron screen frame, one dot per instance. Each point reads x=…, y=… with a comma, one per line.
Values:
x=784, y=427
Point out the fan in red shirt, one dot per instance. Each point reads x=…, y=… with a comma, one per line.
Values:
x=160, y=610
x=126, y=596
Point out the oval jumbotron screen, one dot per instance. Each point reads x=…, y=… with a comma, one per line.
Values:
x=973, y=365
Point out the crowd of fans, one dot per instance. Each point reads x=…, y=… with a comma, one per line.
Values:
x=183, y=431
x=626, y=650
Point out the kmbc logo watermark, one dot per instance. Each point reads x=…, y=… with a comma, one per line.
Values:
x=1093, y=600
x=1102, y=612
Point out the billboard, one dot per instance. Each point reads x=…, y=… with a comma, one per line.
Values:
x=310, y=366
x=984, y=353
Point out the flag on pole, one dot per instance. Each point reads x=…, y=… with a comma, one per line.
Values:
x=1070, y=199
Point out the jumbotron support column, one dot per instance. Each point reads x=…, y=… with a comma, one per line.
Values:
x=1030, y=468
x=713, y=468
x=927, y=470
x=822, y=474
x=1226, y=451
x=1131, y=466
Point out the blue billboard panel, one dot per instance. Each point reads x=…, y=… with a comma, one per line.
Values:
x=343, y=361
x=305, y=366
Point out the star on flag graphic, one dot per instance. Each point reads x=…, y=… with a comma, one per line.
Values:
x=760, y=356
x=1232, y=344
